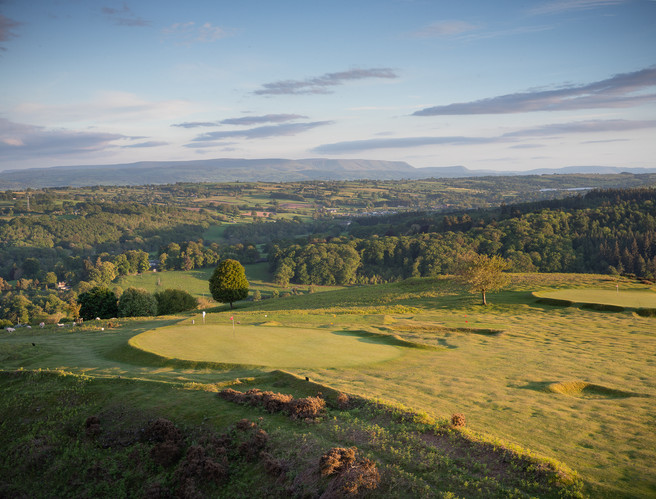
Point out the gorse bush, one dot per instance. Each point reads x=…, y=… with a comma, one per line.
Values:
x=458, y=420
x=352, y=475
x=302, y=408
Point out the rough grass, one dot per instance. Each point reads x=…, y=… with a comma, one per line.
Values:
x=85, y=437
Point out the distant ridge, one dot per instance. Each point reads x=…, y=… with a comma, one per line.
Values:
x=253, y=170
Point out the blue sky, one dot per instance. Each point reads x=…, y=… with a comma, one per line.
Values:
x=504, y=85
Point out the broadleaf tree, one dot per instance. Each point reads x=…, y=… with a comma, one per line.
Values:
x=483, y=273
x=228, y=283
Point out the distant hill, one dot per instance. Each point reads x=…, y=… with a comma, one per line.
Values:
x=251, y=170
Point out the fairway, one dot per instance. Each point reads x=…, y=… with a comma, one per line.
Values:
x=633, y=298
x=265, y=346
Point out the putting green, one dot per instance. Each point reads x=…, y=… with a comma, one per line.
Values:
x=265, y=346
x=632, y=298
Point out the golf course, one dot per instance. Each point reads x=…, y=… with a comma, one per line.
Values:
x=565, y=390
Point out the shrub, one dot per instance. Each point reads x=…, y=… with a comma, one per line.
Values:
x=163, y=430
x=98, y=302
x=343, y=401
x=252, y=447
x=166, y=453
x=458, y=420
x=135, y=302
x=173, y=301
x=362, y=475
x=231, y=395
x=244, y=425
x=336, y=460
x=276, y=402
x=273, y=466
x=307, y=408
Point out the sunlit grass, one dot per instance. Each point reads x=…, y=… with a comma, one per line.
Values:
x=566, y=382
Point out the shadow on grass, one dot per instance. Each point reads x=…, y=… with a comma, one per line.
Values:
x=578, y=389
x=384, y=339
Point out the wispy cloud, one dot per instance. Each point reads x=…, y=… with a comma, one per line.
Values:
x=196, y=124
x=551, y=130
x=442, y=29
x=124, y=16
x=570, y=5
x=151, y=143
x=189, y=33
x=243, y=121
x=267, y=118
x=262, y=132
x=615, y=92
x=590, y=126
x=322, y=84
x=22, y=141
x=7, y=27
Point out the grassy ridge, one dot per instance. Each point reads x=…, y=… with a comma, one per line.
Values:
x=59, y=453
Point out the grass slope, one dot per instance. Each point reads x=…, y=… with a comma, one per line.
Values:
x=574, y=384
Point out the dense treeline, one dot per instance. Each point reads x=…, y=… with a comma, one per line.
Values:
x=605, y=231
x=90, y=229
x=191, y=255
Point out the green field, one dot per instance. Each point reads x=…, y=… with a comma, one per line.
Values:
x=570, y=383
x=262, y=345
x=630, y=298
x=193, y=281
x=196, y=281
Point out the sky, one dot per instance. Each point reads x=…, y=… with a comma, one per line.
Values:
x=502, y=85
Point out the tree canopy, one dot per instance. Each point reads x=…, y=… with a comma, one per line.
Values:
x=484, y=273
x=98, y=302
x=135, y=302
x=172, y=301
x=228, y=283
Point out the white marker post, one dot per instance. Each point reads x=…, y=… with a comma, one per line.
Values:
x=203, y=316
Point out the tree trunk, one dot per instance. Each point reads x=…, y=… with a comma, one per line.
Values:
x=483, y=293
x=231, y=305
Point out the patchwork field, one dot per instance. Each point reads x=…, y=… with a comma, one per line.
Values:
x=569, y=383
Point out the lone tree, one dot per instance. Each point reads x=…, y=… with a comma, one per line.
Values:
x=483, y=273
x=228, y=283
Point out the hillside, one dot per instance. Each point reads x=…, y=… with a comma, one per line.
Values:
x=252, y=170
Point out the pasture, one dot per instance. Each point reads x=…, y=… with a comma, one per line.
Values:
x=196, y=281
x=573, y=384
